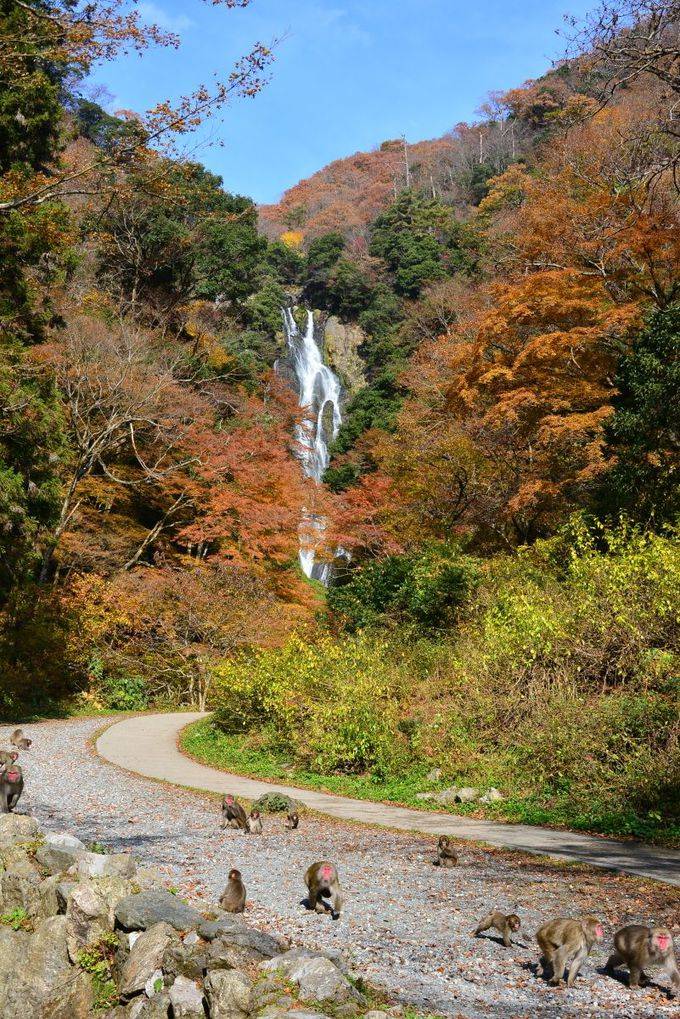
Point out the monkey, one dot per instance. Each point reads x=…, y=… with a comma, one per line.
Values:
x=293, y=820
x=11, y=787
x=506, y=925
x=323, y=883
x=254, y=823
x=637, y=946
x=445, y=855
x=7, y=757
x=17, y=739
x=234, y=895
x=564, y=939
x=233, y=813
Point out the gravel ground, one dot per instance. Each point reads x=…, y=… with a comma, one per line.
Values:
x=406, y=924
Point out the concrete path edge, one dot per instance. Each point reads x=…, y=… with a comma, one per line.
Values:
x=147, y=745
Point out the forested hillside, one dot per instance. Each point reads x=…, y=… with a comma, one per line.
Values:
x=504, y=484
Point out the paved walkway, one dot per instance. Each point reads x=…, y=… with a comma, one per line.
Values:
x=147, y=745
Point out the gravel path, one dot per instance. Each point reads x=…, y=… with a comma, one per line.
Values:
x=406, y=924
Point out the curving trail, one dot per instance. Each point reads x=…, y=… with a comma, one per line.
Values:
x=147, y=745
x=406, y=924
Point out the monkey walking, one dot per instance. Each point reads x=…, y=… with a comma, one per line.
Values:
x=11, y=786
x=292, y=821
x=637, y=947
x=505, y=925
x=445, y=855
x=324, y=890
x=564, y=939
x=234, y=895
x=233, y=814
x=254, y=823
x=18, y=739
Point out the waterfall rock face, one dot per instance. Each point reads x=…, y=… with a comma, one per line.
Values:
x=342, y=342
x=320, y=392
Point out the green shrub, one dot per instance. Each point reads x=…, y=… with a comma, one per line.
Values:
x=125, y=693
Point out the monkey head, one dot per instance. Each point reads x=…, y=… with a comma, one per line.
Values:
x=234, y=875
x=660, y=941
x=514, y=922
x=593, y=927
x=255, y=814
x=229, y=799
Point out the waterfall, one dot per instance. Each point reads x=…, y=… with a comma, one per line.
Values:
x=320, y=392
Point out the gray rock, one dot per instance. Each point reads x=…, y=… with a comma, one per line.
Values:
x=229, y=994
x=50, y=901
x=146, y=956
x=375, y=1014
x=105, y=865
x=72, y=999
x=18, y=827
x=457, y=794
x=434, y=775
x=184, y=960
x=20, y=889
x=157, y=1007
x=317, y=978
x=13, y=952
x=59, y=852
x=186, y=999
x=223, y=926
x=143, y=910
x=342, y=342
x=425, y=796
x=155, y=984
x=90, y=911
x=191, y=938
x=42, y=973
x=223, y=955
x=492, y=795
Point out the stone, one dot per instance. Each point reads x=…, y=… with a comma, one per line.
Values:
x=13, y=951
x=145, y=958
x=184, y=960
x=144, y=909
x=375, y=1014
x=186, y=999
x=105, y=865
x=492, y=795
x=20, y=889
x=457, y=794
x=225, y=925
x=18, y=827
x=59, y=852
x=90, y=912
x=50, y=901
x=223, y=955
x=191, y=938
x=229, y=994
x=42, y=973
x=425, y=796
x=433, y=776
x=157, y=1007
x=72, y=999
x=317, y=978
x=154, y=984
x=341, y=343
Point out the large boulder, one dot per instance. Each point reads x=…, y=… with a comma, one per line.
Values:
x=90, y=865
x=44, y=975
x=91, y=911
x=59, y=852
x=146, y=956
x=186, y=999
x=143, y=910
x=20, y=889
x=182, y=960
x=18, y=827
x=342, y=342
x=13, y=951
x=72, y=998
x=458, y=794
x=223, y=926
x=229, y=994
x=317, y=978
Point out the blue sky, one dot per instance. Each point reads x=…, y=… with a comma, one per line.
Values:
x=348, y=74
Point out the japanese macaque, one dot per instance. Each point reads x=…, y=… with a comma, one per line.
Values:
x=637, y=947
x=324, y=888
x=293, y=820
x=505, y=925
x=7, y=757
x=233, y=814
x=11, y=786
x=17, y=739
x=234, y=895
x=445, y=855
x=563, y=940
x=254, y=823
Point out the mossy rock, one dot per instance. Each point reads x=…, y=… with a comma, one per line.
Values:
x=275, y=803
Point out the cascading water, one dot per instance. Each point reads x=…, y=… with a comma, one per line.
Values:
x=320, y=392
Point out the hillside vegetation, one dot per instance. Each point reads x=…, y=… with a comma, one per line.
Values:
x=505, y=483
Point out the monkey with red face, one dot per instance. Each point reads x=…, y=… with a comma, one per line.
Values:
x=638, y=947
x=323, y=885
x=233, y=814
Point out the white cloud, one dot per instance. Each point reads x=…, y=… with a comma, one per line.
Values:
x=170, y=22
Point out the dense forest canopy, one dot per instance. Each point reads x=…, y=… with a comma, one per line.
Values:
x=514, y=287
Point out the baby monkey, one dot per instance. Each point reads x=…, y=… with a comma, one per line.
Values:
x=234, y=895
x=293, y=820
x=445, y=855
x=505, y=925
x=637, y=947
x=254, y=823
x=17, y=739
